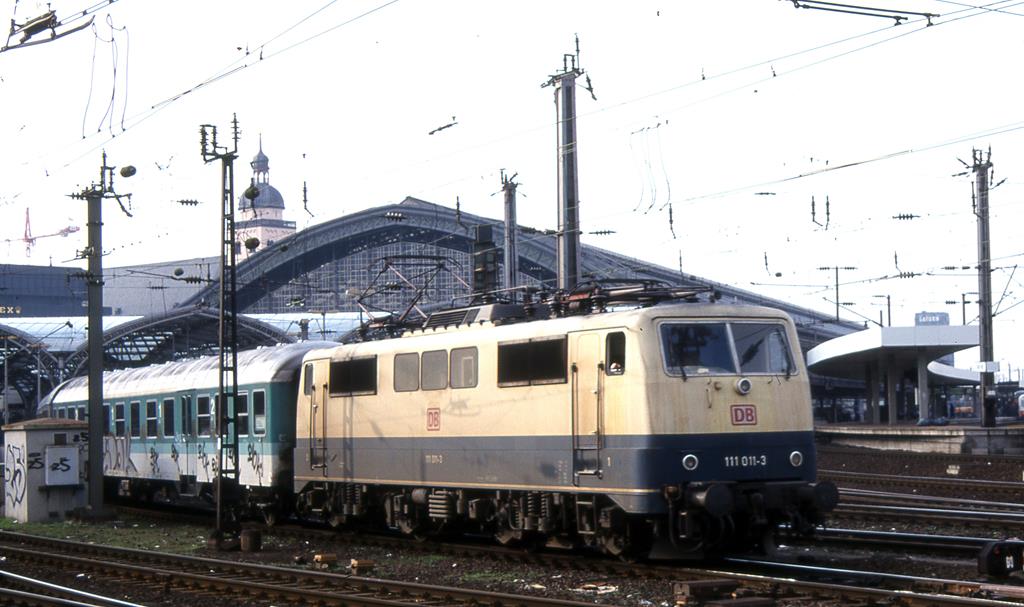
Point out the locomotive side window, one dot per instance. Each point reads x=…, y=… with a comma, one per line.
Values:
x=307, y=379
x=434, y=375
x=762, y=348
x=203, y=415
x=615, y=353
x=242, y=414
x=168, y=411
x=119, y=419
x=407, y=372
x=540, y=361
x=62, y=413
x=106, y=419
x=151, y=419
x=259, y=412
x=697, y=349
x=463, y=368
x=354, y=376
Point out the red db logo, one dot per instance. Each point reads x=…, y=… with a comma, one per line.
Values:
x=433, y=419
x=743, y=415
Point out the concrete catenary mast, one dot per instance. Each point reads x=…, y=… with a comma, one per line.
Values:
x=508, y=187
x=568, y=188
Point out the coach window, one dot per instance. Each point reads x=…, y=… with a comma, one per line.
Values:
x=151, y=419
x=242, y=414
x=307, y=379
x=541, y=361
x=168, y=411
x=354, y=376
x=434, y=374
x=135, y=418
x=203, y=415
x=106, y=419
x=463, y=368
x=62, y=413
x=407, y=372
x=259, y=412
x=119, y=419
x=82, y=413
x=615, y=353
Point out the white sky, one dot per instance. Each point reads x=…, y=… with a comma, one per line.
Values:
x=701, y=105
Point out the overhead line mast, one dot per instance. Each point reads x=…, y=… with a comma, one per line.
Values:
x=227, y=430
x=568, y=179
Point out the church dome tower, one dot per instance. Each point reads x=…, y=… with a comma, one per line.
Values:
x=260, y=222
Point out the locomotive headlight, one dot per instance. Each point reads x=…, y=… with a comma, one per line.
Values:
x=796, y=459
x=743, y=385
x=690, y=462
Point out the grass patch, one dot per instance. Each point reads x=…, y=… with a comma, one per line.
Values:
x=487, y=577
x=125, y=533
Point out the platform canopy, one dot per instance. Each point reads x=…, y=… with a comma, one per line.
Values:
x=899, y=347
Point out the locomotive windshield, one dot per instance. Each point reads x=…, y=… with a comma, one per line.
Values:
x=710, y=348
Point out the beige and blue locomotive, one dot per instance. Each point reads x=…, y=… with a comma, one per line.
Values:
x=160, y=428
x=682, y=426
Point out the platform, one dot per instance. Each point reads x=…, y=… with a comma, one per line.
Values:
x=1006, y=438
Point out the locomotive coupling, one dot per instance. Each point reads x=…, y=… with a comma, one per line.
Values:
x=716, y=499
x=823, y=496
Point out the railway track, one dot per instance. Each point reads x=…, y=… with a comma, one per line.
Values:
x=261, y=584
x=936, y=485
x=251, y=583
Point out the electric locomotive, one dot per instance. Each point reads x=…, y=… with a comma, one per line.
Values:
x=681, y=429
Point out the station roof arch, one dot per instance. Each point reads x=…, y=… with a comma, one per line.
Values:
x=180, y=333
x=416, y=221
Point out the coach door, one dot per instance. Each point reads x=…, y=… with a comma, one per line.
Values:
x=317, y=416
x=586, y=365
x=189, y=442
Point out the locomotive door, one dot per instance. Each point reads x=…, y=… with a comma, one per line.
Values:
x=317, y=418
x=586, y=365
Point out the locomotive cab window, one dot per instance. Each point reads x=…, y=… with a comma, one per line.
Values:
x=106, y=419
x=762, y=348
x=539, y=361
x=615, y=353
x=354, y=376
x=719, y=348
x=407, y=372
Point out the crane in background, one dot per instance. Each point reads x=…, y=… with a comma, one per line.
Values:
x=30, y=240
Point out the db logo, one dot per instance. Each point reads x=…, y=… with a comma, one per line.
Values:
x=743, y=415
x=433, y=419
